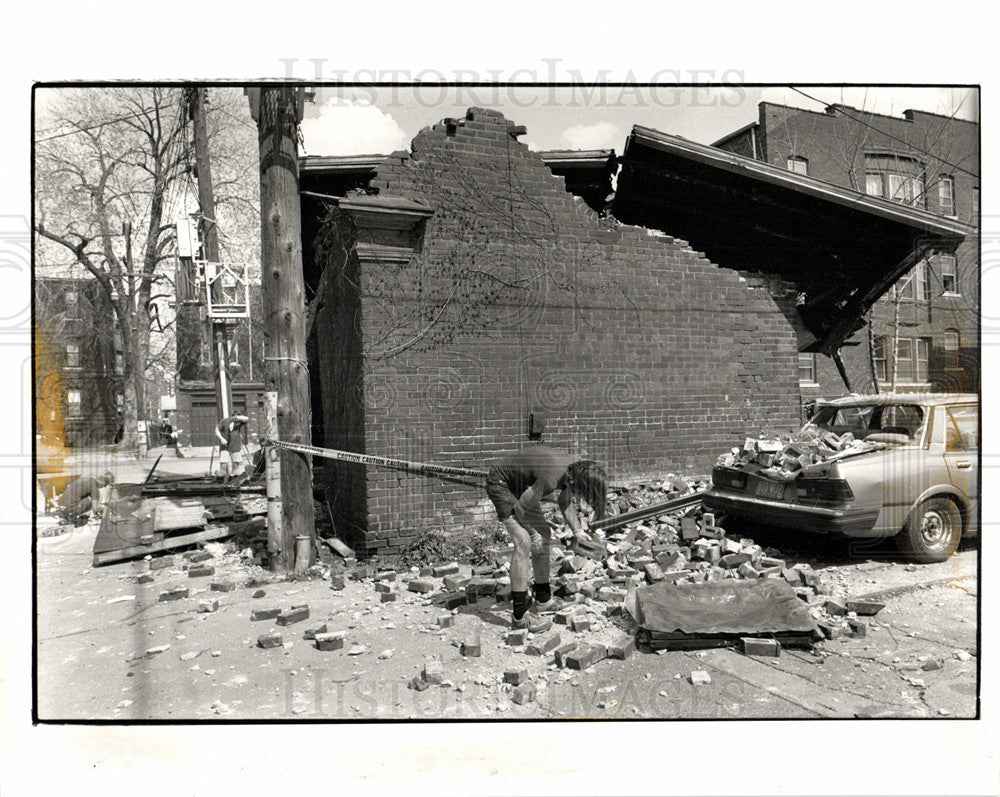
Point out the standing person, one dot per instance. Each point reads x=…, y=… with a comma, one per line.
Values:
x=517, y=484
x=230, y=433
x=166, y=430
x=83, y=496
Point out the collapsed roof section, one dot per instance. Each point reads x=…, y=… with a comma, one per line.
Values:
x=842, y=248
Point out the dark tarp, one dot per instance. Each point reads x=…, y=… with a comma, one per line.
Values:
x=716, y=613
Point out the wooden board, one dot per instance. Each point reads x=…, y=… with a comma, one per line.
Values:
x=172, y=514
x=178, y=541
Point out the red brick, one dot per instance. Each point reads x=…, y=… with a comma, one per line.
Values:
x=622, y=648
x=586, y=656
x=753, y=646
x=269, y=641
x=174, y=594
x=264, y=614
x=539, y=646
x=329, y=641
x=294, y=615
x=222, y=586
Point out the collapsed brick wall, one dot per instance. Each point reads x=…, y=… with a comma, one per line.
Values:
x=640, y=352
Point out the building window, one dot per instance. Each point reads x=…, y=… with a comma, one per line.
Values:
x=912, y=362
x=119, y=363
x=881, y=372
x=73, y=402
x=946, y=196
x=913, y=285
x=923, y=358
x=952, y=346
x=807, y=368
x=798, y=164
x=72, y=355
x=895, y=177
x=949, y=273
x=72, y=300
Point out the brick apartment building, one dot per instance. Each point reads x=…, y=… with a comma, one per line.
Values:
x=923, y=333
x=463, y=289
x=78, y=366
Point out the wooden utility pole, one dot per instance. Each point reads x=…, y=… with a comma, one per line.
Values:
x=210, y=241
x=277, y=111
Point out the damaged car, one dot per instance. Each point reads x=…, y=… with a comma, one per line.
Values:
x=890, y=465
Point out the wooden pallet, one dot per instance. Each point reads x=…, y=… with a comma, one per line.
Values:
x=178, y=541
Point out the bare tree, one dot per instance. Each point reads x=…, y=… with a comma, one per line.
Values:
x=113, y=175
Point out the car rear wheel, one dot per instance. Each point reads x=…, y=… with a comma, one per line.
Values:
x=932, y=532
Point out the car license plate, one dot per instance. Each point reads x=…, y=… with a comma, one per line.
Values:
x=769, y=489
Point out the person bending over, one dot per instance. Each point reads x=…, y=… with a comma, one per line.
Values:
x=516, y=485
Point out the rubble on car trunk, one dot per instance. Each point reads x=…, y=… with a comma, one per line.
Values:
x=783, y=458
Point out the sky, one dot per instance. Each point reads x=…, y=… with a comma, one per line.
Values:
x=369, y=120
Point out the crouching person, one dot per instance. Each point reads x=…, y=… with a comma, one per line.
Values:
x=516, y=485
x=82, y=497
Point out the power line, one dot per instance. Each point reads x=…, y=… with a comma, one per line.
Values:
x=909, y=145
x=105, y=123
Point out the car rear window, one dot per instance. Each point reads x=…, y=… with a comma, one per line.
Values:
x=963, y=428
x=902, y=419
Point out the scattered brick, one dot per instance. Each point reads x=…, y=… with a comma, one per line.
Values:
x=858, y=627
x=427, y=570
x=542, y=645
x=259, y=593
x=612, y=594
x=445, y=570
x=311, y=633
x=864, y=608
x=586, y=656
x=525, y=693
x=446, y=620
x=338, y=582
x=753, y=646
x=198, y=572
x=835, y=606
x=452, y=600
x=385, y=575
x=174, y=594
x=563, y=616
x=622, y=648
x=700, y=677
x=689, y=529
x=270, y=641
x=563, y=651
x=383, y=587
x=578, y=624
x=515, y=638
x=747, y=570
x=329, y=641
x=515, y=677
x=293, y=615
x=733, y=560
x=421, y=585
x=161, y=563
x=264, y=614
x=222, y=586
x=417, y=683
x=455, y=582
x=433, y=671
x=472, y=646
x=388, y=597
x=198, y=556
x=145, y=578
x=831, y=631
x=208, y=606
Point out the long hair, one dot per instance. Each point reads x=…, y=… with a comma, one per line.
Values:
x=590, y=481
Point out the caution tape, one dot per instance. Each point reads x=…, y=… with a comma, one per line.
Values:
x=382, y=462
